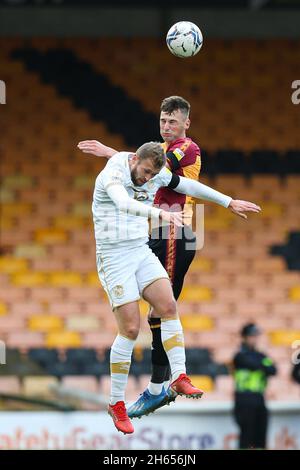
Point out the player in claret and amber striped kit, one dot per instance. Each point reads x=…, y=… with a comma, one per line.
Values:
x=174, y=246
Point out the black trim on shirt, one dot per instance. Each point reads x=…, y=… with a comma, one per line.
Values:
x=174, y=181
x=173, y=160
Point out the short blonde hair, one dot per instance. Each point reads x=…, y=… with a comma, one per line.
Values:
x=154, y=152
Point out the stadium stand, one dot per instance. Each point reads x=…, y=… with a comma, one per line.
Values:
x=54, y=316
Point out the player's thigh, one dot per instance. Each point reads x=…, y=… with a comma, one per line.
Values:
x=159, y=294
x=116, y=271
x=149, y=269
x=128, y=319
x=180, y=257
x=154, y=284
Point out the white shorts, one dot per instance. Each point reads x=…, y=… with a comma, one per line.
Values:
x=126, y=270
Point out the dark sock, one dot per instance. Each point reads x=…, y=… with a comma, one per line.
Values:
x=159, y=358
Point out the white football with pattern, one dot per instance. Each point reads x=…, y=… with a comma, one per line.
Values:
x=184, y=39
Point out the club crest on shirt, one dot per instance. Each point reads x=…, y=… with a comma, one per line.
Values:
x=140, y=194
x=117, y=176
x=118, y=291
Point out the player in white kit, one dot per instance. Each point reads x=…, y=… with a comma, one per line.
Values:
x=127, y=267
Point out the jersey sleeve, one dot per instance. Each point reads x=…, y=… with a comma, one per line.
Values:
x=164, y=177
x=113, y=175
x=184, y=155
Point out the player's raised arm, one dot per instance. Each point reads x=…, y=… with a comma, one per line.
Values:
x=94, y=147
x=201, y=191
x=124, y=203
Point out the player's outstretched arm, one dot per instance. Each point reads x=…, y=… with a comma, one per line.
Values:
x=124, y=203
x=94, y=147
x=202, y=191
x=239, y=207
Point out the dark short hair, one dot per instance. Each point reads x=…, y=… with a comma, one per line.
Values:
x=153, y=151
x=250, y=330
x=175, y=103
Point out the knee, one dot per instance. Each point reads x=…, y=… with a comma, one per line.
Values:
x=168, y=309
x=131, y=332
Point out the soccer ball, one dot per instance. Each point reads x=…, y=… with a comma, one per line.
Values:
x=184, y=39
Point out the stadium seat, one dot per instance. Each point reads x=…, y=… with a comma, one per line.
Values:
x=43, y=356
x=284, y=337
x=267, y=265
x=204, y=382
x=11, y=323
x=144, y=308
x=70, y=222
x=22, y=367
x=92, y=279
x=38, y=386
x=84, y=293
x=30, y=279
x=292, y=161
x=45, y=323
x=66, y=278
x=44, y=293
x=201, y=264
x=213, y=223
x=230, y=161
x=271, y=209
x=60, y=369
x=84, y=182
x=198, y=355
x=50, y=265
x=10, y=385
x=265, y=161
x=196, y=294
x=294, y=294
x=16, y=209
x=196, y=322
x=18, y=181
x=7, y=195
x=26, y=309
x=11, y=293
x=24, y=339
x=81, y=356
x=30, y=250
x=7, y=223
x=81, y=209
x=50, y=236
x=12, y=265
x=63, y=339
x=3, y=309
x=83, y=323
x=89, y=384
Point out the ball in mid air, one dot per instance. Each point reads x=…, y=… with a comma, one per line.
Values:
x=184, y=39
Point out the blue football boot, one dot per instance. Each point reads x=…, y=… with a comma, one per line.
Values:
x=148, y=403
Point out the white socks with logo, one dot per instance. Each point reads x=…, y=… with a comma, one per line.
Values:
x=173, y=343
x=120, y=360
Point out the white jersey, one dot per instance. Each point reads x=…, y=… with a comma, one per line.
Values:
x=111, y=224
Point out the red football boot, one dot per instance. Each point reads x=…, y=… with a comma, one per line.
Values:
x=120, y=418
x=184, y=387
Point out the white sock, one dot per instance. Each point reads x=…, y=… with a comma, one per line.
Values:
x=166, y=384
x=155, y=389
x=173, y=343
x=120, y=360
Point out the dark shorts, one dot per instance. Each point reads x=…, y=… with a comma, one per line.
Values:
x=175, y=247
